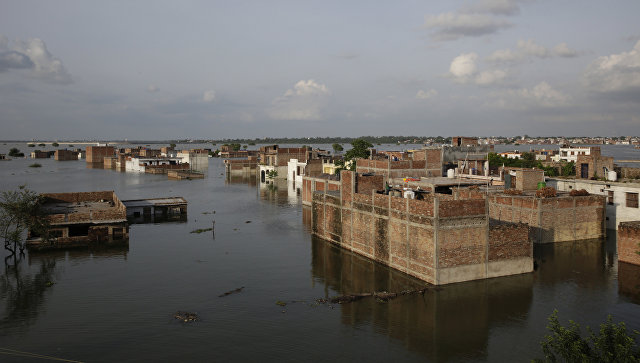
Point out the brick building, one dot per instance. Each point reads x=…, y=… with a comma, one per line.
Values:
x=81, y=219
x=629, y=242
x=438, y=239
x=555, y=219
x=96, y=154
x=65, y=155
x=593, y=164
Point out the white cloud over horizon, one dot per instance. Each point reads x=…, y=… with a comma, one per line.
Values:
x=303, y=102
x=32, y=54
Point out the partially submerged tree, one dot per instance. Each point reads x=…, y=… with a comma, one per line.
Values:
x=21, y=211
x=15, y=152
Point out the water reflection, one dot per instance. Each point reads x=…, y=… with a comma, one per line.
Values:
x=153, y=218
x=281, y=192
x=629, y=281
x=23, y=291
x=250, y=180
x=585, y=263
x=452, y=323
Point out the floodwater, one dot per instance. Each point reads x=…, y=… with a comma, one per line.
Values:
x=117, y=304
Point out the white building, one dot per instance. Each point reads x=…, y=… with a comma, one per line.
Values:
x=139, y=164
x=295, y=170
x=622, y=198
x=570, y=154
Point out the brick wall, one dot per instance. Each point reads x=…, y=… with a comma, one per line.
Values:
x=64, y=155
x=563, y=218
x=95, y=154
x=629, y=242
x=596, y=165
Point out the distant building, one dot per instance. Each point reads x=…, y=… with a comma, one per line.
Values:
x=464, y=141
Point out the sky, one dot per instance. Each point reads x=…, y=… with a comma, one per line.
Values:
x=158, y=70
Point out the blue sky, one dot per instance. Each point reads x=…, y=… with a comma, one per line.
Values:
x=217, y=69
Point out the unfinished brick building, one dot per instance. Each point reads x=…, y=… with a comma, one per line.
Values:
x=65, y=155
x=438, y=239
x=82, y=219
x=240, y=167
x=553, y=219
x=593, y=165
x=629, y=242
x=96, y=155
x=426, y=163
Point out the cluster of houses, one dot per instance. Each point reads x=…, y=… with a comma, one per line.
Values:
x=442, y=215
x=176, y=164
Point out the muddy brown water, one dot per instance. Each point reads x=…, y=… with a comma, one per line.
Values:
x=118, y=304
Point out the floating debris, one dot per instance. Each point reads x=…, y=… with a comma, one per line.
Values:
x=186, y=316
x=380, y=296
x=201, y=230
x=247, y=222
x=281, y=303
x=232, y=292
x=49, y=283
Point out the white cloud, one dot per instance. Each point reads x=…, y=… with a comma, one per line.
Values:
x=425, y=95
x=453, y=25
x=464, y=66
x=209, y=96
x=504, y=56
x=563, y=50
x=497, y=7
x=304, y=101
x=527, y=49
x=490, y=77
x=32, y=54
x=152, y=88
x=544, y=95
x=615, y=73
x=530, y=47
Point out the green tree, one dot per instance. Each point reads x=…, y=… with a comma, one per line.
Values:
x=244, y=147
x=55, y=144
x=21, y=211
x=15, y=152
x=612, y=343
x=359, y=150
x=31, y=145
x=569, y=169
x=172, y=145
x=337, y=148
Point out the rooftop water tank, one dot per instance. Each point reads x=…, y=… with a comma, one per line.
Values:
x=612, y=175
x=451, y=173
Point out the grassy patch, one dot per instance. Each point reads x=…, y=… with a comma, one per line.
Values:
x=35, y=165
x=201, y=230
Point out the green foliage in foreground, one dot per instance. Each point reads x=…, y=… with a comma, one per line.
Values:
x=612, y=343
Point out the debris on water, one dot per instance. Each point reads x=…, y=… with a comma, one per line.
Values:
x=235, y=229
x=201, y=230
x=232, y=292
x=381, y=296
x=281, y=303
x=247, y=222
x=185, y=316
x=49, y=283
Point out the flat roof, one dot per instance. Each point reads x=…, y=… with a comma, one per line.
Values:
x=154, y=202
x=440, y=181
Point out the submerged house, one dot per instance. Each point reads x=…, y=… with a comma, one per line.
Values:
x=439, y=238
x=81, y=219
